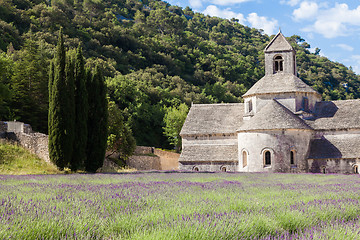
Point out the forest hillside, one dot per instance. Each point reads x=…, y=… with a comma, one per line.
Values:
x=158, y=59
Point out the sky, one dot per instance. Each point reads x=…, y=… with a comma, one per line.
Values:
x=332, y=26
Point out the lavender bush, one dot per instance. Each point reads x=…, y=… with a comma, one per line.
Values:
x=180, y=206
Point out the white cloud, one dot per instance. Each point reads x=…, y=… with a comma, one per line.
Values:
x=228, y=2
x=269, y=26
x=306, y=11
x=195, y=3
x=344, y=47
x=213, y=10
x=290, y=2
x=336, y=21
x=355, y=59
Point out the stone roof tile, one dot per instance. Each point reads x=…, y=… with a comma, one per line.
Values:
x=274, y=116
x=335, y=146
x=209, y=153
x=213, y=118
x=332, y=115
x=279, y=83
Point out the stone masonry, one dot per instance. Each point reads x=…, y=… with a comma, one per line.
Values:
x=282, y=126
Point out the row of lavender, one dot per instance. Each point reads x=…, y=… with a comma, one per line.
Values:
x=180, y=206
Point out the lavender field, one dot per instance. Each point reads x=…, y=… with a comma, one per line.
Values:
x=180, y=206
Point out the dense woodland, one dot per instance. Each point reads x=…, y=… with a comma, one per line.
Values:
x=157, y=60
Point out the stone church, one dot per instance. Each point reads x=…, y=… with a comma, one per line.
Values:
x=282, y=126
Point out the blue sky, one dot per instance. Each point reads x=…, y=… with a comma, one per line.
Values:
x=332, y=26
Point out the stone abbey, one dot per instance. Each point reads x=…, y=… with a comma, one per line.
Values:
x=282, y=126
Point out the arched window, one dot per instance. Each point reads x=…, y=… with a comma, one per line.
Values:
x=278, y=64
x=323, y=170
x=292, y=157
x=356, y=169
x=196, y=169
x=223, y=169
x=267, y=158
x=244, y=158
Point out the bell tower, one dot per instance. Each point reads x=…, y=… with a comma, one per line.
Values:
x=280, y=82
x=280, y=56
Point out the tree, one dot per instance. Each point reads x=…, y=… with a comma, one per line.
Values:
x=29, y=85
x=60, y=112
x=97, y=121
x=174, y=120
x=69, y=114
x=50, y=87
x=81, y=113
x=120, y=138
x=5, y=74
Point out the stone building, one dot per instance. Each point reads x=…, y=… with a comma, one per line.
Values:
x=282, y=126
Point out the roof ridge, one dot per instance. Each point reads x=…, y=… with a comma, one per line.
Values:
x=292, y=114
x=215, y=104
x=344, y=100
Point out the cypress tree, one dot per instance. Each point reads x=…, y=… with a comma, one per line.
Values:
x=97, y=121
x=51, y=80
x=56, y=124
x=81, y=113
x=61, y=105
x=69, y=113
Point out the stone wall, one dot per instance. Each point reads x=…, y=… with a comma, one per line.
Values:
x=141, y=150
x=144, y=158
x=280, y=144
x=37, y=143
x=168, y=160
x=289, y=66
x=149, y=158
x=23, y=135
x=208, y=166
x=346, y=166
x=144, y=162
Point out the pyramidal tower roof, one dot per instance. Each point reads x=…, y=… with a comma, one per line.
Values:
x=279, y=83
x=274, y=116
x=279, y=43
x=280, y=71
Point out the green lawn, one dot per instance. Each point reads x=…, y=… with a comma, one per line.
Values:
x=180, y=206
x=17, y=160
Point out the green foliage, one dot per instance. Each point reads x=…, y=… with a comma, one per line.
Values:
x=77, y=112
x=29, y=85
x=6, y=65
x=81, y=113
x=120, y=137
x=97, y=121
x=51, y=102
x=161, y=55
x=174, y=120
x=61, y=125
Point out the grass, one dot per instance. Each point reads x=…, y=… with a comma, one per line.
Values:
x=16, y=160
x=180, y=206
